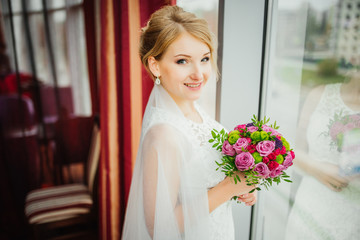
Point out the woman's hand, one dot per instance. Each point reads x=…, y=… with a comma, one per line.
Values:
x=328, y=174
x=248, y=198
x=227, y=189
x=239, y=188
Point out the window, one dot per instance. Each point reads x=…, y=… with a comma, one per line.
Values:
x=61, y=41
x=309, y=82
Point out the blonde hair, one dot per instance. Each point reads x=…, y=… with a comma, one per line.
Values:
x=165, y=25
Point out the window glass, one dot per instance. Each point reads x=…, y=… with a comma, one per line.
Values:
x=68, y=46
x=312, y=91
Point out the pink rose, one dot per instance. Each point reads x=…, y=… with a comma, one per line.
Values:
x=335, y=129
x=228, y=149
x=244, y=161
x=252, y=129
x=355, y=117
x=265, y=147
x=269, y=129
x=262, y=169
x=276, y=171
x=240, y=144
x=288, y=161
x=349, y=126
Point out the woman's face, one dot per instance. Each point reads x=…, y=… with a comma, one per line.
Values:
x=184, y=68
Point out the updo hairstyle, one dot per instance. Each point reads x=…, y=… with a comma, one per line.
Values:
x=165, y=25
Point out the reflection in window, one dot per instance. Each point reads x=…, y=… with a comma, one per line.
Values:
x=314, y=75
x=66, y=25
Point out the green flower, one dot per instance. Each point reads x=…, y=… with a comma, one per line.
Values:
x=285, y=144
x=255, y=136
x=340, y=140
x=279, y=159
x=233, y=136
x=264, y=135
x=257, y=157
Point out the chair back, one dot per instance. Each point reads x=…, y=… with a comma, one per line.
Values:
x=17, y=116
x=19, y=154
x=94, y=157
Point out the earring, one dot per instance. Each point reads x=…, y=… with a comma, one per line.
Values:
x=157, y=81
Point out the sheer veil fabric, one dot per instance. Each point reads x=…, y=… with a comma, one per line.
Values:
x=168, y=196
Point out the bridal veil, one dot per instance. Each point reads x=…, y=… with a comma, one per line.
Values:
x=165, y=201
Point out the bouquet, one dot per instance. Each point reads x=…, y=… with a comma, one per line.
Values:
x=257, y=150
x=344, y=132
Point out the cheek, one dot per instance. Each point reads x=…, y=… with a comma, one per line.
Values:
x=207, y=73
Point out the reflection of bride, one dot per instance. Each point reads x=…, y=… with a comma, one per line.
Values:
x=326, y=205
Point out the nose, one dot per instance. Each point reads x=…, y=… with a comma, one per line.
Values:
x=196, y=74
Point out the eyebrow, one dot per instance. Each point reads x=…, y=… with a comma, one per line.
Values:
x=188, y=56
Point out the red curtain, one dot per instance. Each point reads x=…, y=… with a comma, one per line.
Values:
x=124, y=90
x=90, y=33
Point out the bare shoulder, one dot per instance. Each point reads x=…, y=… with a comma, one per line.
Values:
x=313, y=99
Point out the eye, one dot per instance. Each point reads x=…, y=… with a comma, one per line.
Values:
x=181, y=61
x=205, y=59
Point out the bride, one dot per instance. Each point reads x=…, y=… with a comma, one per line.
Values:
x=176, y=192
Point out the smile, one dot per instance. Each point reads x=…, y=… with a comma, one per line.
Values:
x=193, y=85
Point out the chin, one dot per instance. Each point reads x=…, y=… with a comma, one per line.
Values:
x=195, y=97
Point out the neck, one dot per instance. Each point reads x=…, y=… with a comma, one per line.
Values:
x=187, y=107
x=353, y=85
x=189, y=110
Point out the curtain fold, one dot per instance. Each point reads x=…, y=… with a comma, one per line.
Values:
x=90, y=33
x=124, y=90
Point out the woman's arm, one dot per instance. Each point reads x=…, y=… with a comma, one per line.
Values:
x=226, y=189
x=326, y=173
x=164, y=153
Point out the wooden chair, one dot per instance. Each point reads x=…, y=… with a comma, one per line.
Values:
x=67, y=211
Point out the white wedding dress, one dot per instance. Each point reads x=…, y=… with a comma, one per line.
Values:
x=174, y=169
x=318, y=212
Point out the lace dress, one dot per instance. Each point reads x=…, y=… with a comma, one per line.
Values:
x=221, y=221
x=188, y=167
x=318, y=212
x=221, y=218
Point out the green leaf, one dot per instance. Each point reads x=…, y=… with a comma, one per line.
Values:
x=213, y=134
x=211, y=140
